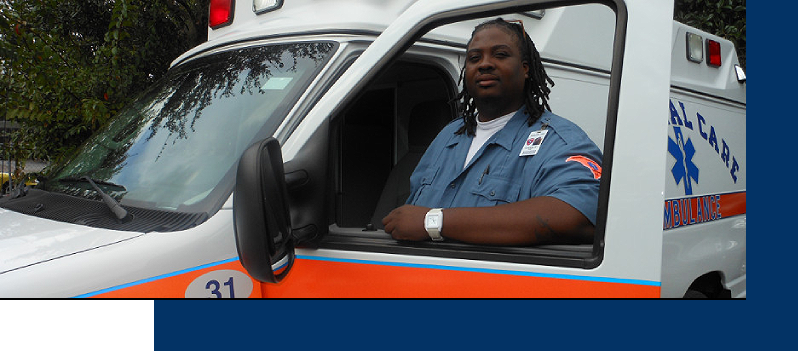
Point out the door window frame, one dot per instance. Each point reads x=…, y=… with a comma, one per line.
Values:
x=578, y=256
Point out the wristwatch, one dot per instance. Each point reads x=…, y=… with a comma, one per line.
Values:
x=433, y=223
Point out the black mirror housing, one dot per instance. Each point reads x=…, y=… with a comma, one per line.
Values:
x=261, y=214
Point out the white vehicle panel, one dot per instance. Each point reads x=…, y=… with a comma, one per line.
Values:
x=144, y=258
x=28, y=240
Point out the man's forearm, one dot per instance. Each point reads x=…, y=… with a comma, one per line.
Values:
x=542, y=220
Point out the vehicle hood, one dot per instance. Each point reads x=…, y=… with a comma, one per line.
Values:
x=27, y=240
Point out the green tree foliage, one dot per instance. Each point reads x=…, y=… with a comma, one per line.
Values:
x=67, y=66
x=724, y=18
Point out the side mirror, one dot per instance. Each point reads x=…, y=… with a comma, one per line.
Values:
x=260, y=213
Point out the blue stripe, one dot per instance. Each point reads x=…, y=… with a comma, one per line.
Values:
x=383, y=263
x=486, y=270
x=159, y=277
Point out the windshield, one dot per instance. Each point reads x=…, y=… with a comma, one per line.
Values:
x=176, y=147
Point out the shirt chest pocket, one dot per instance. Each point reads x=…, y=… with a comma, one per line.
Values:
x=494, y=191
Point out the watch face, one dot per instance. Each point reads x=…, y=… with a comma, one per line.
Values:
x=432, y=221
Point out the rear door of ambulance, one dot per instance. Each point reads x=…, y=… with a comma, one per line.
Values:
x=625, y=258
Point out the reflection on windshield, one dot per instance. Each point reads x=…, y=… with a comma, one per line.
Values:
x=176, y=147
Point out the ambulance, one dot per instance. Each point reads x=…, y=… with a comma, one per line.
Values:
x=262, y=163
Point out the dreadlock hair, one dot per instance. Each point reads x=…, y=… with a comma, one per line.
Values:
x=536, y=92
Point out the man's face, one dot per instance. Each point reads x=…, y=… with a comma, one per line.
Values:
x=495, y=71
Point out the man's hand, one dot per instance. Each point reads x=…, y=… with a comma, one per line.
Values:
x=407, y=223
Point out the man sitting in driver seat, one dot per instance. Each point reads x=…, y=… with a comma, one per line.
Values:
x=509, y=172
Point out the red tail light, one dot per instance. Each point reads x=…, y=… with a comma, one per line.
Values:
x=713, y=53
x=221, y=13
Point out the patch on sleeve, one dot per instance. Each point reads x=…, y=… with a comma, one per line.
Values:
x=593, y=166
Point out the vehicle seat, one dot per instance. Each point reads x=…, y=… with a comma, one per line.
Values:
x=425, y=121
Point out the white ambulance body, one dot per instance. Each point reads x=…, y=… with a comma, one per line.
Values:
x=327, y=104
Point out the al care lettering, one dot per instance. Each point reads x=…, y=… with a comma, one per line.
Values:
x=708, y=133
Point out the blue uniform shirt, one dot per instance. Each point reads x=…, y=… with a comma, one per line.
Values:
x=566, y=166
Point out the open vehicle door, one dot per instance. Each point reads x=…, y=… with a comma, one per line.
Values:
x=267, y=248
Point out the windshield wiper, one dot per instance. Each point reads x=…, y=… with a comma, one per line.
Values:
x=120, y=213
x=91, y=181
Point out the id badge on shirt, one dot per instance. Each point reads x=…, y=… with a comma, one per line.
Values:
x=532, y=144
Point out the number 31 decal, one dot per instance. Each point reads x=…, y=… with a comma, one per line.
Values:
x=220, y=284
x=213, y=285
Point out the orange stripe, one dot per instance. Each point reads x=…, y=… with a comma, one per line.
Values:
x=175, y=286
x=733, y=204
x=701, y=209
x=329, y=279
